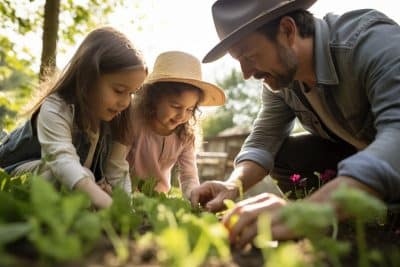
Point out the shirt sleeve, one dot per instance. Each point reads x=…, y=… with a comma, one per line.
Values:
x=376, y=58
x=273, y=124
x=188, y=173
x=117, y=167
x=54, y=127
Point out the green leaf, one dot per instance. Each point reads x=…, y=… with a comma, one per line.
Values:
x=307, y=218
x=72, y=205
x=359, y=204
x=13, y=231
x=44, y=200
x=88, y=226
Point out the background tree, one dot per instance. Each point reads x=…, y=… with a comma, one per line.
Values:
x=50, y=36
x=59, y=23
x=242, y=104
x=16, y=82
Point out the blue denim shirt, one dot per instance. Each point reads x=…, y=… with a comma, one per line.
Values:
x=357, y=63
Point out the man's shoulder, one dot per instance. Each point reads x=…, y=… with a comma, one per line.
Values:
x=348, y=26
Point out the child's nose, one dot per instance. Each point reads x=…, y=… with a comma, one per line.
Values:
x=180, y=114
x=124, y=102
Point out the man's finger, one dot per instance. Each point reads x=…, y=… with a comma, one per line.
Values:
x=245, y=219
x=247, y=235
x=194, y=196
x=201, y=194
x=281, y=232
x=216, y=204
x=255, y=199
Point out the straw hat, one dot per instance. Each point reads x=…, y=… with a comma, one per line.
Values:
x=234, y=19
x=176, y=66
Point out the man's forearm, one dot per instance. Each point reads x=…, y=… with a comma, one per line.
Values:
x=323, y=195
x=249, y=173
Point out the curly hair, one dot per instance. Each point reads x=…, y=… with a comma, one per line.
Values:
x=146, y=100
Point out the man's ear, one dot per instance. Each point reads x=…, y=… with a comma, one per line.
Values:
x=288, y=30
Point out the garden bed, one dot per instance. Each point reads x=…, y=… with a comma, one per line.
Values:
x=41, y=227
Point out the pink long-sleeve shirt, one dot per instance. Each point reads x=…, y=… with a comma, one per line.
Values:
x=153, y=156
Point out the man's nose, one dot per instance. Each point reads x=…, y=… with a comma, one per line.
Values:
x=247, y=69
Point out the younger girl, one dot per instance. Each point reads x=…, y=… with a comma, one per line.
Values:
x=164, y=116
x=77, y=133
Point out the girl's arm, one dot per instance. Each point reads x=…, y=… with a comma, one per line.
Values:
x=117, y=167
x=188, y=173
x=54, y=128
x=100, y=198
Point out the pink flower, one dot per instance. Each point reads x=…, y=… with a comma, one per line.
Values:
x=327, y=175
x=295, y=178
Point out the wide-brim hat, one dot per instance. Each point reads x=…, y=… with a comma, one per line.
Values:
x=177, y=66
x=234, y=19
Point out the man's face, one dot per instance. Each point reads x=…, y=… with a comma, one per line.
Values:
x=275, y=63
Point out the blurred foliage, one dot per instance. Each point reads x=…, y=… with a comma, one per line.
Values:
x=241, y=107
x=20, y=22
x=219, y=121
x=76, y=17
x=16, y=83
x=61, y=227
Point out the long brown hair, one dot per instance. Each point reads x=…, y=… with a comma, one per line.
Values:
x=104, y=50
x=147, y=98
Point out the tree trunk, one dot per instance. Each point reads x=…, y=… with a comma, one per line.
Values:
x=50, y=36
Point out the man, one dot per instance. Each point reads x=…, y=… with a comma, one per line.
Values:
x=339, y=76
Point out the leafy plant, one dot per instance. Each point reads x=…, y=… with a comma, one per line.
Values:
x=312, y=220
x=362, y=208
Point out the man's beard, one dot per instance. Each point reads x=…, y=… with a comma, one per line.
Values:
x=289, y=61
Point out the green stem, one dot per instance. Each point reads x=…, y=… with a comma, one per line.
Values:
x=120, y=245
x=361, y=244
x=335, y=229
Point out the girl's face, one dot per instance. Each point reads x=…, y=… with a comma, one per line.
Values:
x=114, y=92
x=174, y=110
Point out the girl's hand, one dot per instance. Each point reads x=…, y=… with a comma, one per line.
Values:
x=99, y=198
x=105, y=186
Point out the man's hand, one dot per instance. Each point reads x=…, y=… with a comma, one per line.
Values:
x=247, y=211
x=211, y=194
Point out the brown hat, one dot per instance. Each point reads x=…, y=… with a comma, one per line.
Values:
x=176, y=66
x=235, y=19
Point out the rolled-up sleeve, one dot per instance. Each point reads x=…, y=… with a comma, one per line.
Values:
x=117, y=167
x=378, y=59
x=273, y=124
x=54, y=127
x=188, y=172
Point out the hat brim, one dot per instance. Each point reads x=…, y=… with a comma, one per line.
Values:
x=213, y=95
x=225, y=44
